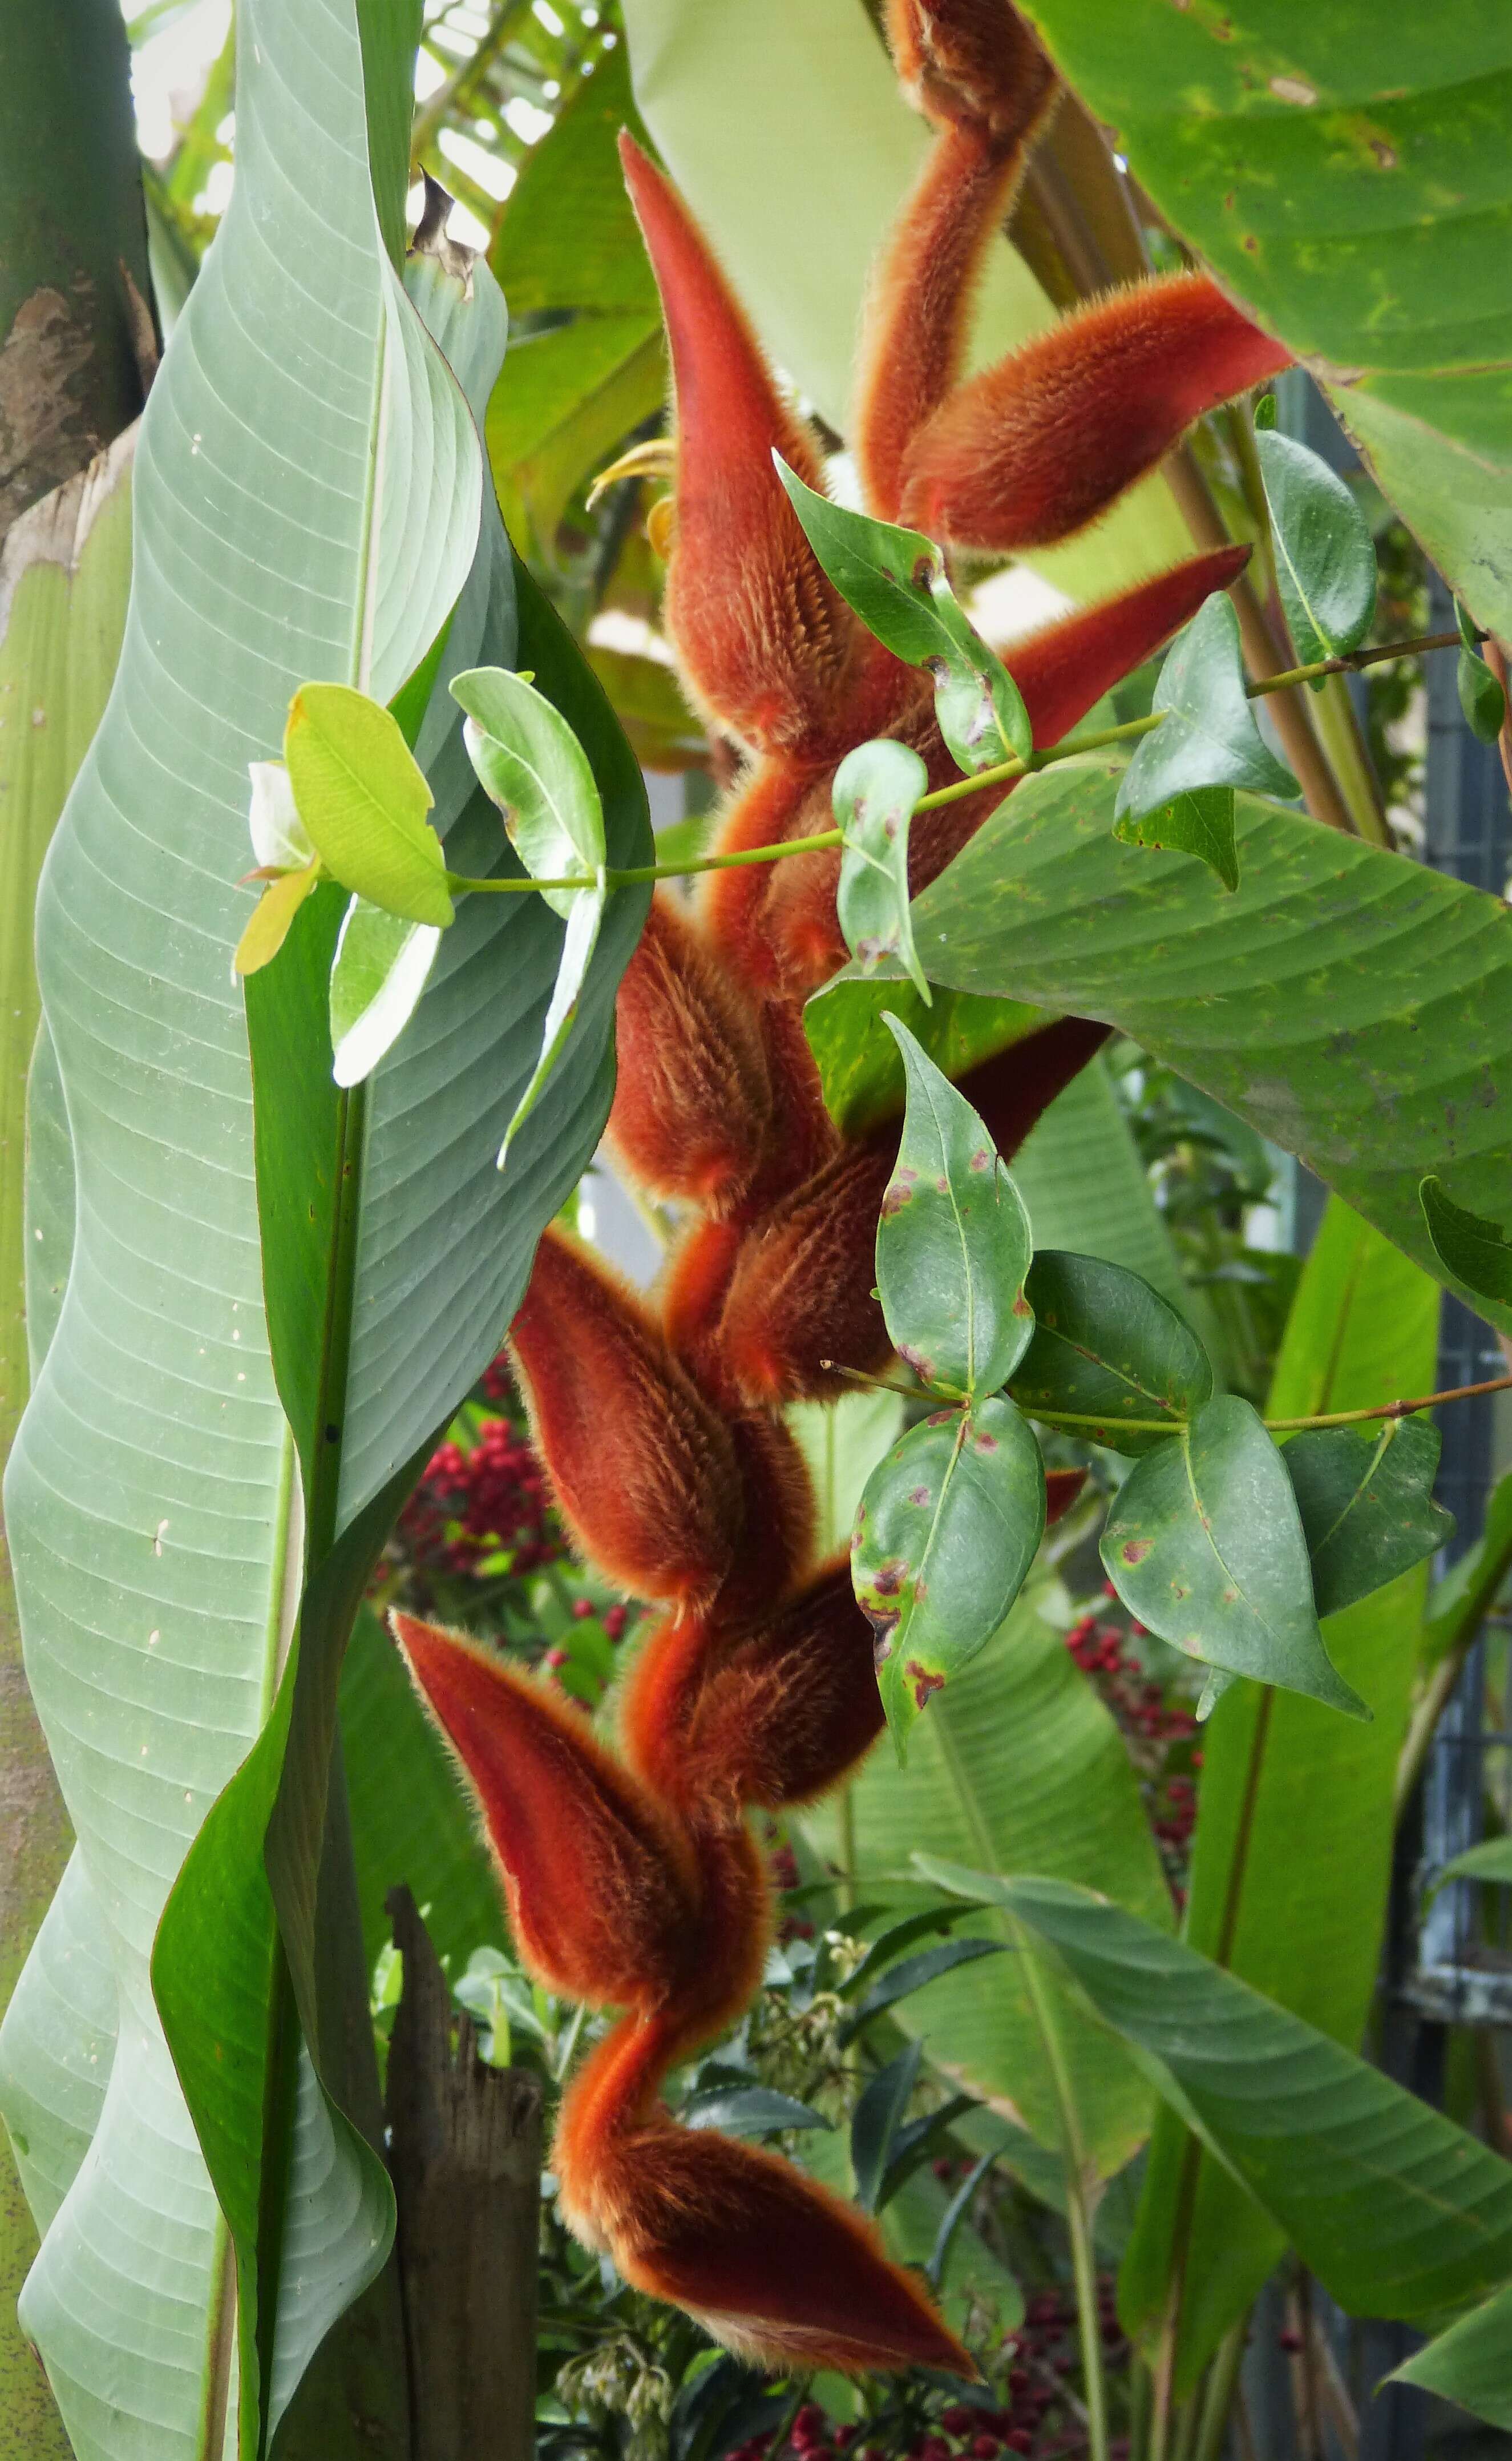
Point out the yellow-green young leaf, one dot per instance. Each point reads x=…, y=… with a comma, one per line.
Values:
x=1200, y=822
x=1107, y=1347
x=1204, y=1543
x=1324, y=554
x=268, y=923
x=896, y=581
x=363, y=799
x=953, y=1242
x=876, y=789
x=1209, y=737
x=1478, y=1252
x=946, y=1532
x=531, y=764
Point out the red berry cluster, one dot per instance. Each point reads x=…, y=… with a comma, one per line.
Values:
x=1034, y=2419
x=476, y=1503
x=1157, y=1732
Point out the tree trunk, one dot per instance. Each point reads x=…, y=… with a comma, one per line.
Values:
x=77, y=334
x=465, y=2154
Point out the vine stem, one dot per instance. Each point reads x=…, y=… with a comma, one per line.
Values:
x=1178, y=1426
x=1002, y=774
x=1083, y=2260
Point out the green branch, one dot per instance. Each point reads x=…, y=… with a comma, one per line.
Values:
x=1003, y=774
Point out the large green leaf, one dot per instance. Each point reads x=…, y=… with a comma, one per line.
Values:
x=1017, y=1767
x=567, y=247
x=730, y=93
x=1356, y=197
x=1292, y=1850
x=152, y=1501
x=1398, y=2211
x=1352, y=1004
x=63, y=582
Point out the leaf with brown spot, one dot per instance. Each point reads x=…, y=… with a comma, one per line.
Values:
x=946, y=1532
x=953, y=1242
x=1206, y=1545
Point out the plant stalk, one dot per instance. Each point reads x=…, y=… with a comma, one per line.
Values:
x=1222, y=2377
x=1083, y=2259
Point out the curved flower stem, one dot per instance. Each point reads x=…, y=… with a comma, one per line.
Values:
x=1002, y=774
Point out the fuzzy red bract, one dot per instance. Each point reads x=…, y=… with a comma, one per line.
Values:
x=1035, y=448
x=635, y=1881
x=602, y=1887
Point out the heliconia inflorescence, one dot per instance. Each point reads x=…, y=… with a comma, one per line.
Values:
x=631, y=1878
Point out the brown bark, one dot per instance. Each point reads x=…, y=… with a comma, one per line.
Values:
x=465, y=2154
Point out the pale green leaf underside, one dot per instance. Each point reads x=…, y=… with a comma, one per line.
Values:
x=146, y=1500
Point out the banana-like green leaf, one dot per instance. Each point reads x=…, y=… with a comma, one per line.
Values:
x=1017, y=1767
x=1398, y=2211
x=1352, y=1004
x=64, y=574
x=1292, y=1896
x=567, y=246
x=307, y=504
x=818, y=97
x=1359, y=206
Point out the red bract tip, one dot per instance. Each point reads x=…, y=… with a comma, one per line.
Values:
x=1064, y=670
x=1062, y=1487
x=642, y=1466
x=770, y=2263
x=763, y=638
x=970, y=62
x=1034, y=448
x=603, y=1890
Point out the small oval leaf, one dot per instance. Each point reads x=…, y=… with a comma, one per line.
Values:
x=1107, y=1347
x=1209, y=737
x=876, y=789
x=1324, y=554
x=1364, y=1495
x=363, y=800
x=531, y=764
x=267, y=926
x=1204, y=1543
x=896, y=581
x=953, y=1243
x=945, y=1531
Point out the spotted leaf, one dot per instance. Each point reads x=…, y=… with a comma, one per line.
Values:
x=1206, y=1545
x=953, y=1243
x=945, y=1531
